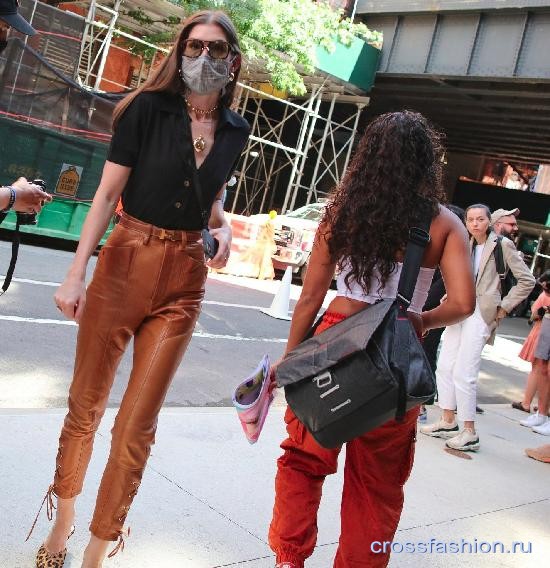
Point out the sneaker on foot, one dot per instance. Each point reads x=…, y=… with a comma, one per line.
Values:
x=466, y=441
x=534, y=420
x=544, y=429
x=285, y=565
x=440, y=429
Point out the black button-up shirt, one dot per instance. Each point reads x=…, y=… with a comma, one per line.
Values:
x=153, y=138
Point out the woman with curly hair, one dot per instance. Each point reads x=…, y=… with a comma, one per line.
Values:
x=393, y=181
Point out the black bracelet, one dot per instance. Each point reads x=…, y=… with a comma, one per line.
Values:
x=13, y=196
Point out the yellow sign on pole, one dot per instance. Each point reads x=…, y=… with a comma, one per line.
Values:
x=68, y=181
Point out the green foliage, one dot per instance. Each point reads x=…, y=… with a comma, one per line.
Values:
x=161, y=38
x=281, y=34
x=139, y=16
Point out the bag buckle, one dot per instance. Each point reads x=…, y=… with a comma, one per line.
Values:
x=403, y=302
x=322, y=380
x=167, y=235
x=419, y=236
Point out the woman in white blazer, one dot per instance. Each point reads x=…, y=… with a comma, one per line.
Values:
x=462, y=343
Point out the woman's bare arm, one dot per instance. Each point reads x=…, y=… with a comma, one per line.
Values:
x=71, y=295
x=317, y=281
x=456, y=268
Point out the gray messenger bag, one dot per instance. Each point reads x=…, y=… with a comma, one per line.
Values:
x=364, y=370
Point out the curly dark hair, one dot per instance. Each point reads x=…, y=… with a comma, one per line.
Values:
x=393, y=179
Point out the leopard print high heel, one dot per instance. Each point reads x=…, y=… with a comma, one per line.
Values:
x=47, y=559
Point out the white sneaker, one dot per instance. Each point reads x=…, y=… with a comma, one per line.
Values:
x=534, y=420
x=544, y=429
x=466, y=441
x=440, y=429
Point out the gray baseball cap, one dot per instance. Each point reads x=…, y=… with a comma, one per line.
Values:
x=500, y=213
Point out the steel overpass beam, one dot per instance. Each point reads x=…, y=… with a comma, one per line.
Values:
x=497, y=44
x=417, y=6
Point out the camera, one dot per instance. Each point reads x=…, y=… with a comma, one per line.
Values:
x=30, y=218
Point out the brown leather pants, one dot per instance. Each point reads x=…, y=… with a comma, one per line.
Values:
x=148, y=284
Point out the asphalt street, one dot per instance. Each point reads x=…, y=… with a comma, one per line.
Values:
x=37, y=344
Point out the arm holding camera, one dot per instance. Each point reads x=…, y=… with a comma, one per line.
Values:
x=70, y=297
x=23, y=197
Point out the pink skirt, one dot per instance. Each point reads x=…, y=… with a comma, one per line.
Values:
x=527, y=352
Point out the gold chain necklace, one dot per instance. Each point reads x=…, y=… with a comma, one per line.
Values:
x=200, y=111
x=199, y=143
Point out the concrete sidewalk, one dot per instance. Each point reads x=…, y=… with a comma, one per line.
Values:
x=207, y=496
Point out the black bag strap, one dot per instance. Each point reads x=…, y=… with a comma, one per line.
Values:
x=499, y=259
x=16, y=240
x=502, y=270
x=419, y=237
x=195, y=174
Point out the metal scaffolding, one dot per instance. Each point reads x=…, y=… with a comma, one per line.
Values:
x=98, y=40
x=319, y=140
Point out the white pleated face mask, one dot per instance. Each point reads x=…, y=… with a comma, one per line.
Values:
x=204, y=74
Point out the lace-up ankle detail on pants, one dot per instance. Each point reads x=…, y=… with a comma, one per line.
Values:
x=148, y=285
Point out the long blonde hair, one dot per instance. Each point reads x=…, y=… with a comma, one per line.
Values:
x=166, y=77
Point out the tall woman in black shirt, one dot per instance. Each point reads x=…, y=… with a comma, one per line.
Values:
x=149, y=279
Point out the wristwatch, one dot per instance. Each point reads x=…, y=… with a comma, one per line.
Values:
x=13, y=195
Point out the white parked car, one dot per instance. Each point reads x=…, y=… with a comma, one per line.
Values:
x=294, y=235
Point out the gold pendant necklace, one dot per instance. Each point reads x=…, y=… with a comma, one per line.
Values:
x=199, y=143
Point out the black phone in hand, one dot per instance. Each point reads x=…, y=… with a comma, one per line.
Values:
x=209, y=244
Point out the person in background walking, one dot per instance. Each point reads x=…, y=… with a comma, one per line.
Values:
x=527, y=352
x=539, y=421
x=460, y=356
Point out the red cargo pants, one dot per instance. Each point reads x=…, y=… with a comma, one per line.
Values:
x=377, y=466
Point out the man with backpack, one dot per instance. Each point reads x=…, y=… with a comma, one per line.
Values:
x=505, y=225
